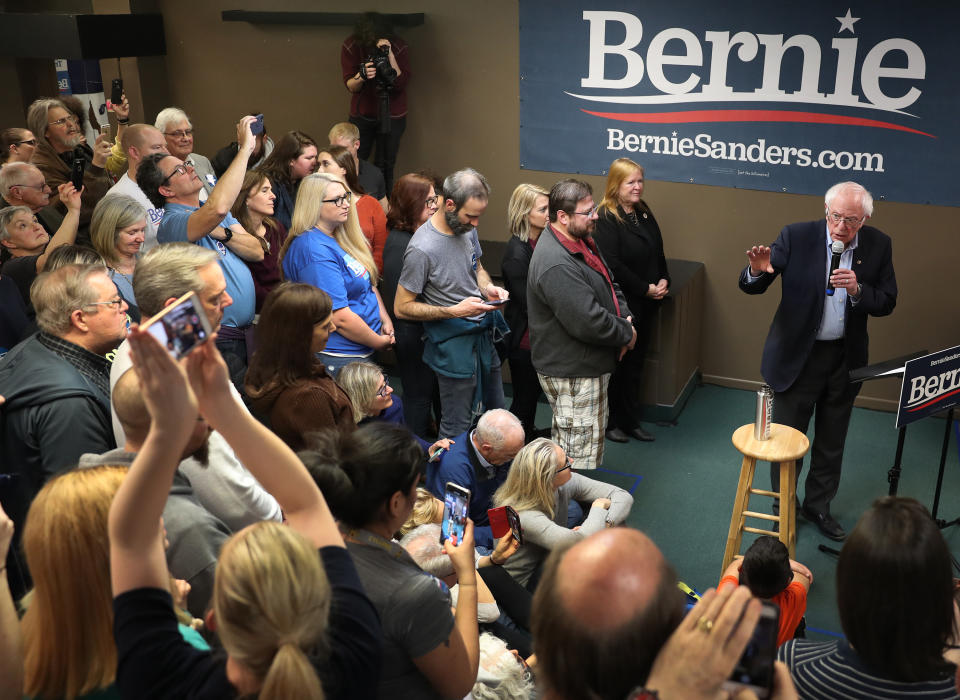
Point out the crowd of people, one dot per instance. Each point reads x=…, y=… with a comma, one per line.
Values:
x=262, y=517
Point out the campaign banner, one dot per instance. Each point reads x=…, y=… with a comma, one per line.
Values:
x=930, y=384
x=81, y=79
x=784, y=97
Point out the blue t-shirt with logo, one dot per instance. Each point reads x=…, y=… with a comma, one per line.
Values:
x=173, y=228
x=316, y=258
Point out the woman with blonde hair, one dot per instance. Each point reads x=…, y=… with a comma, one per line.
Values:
x=370, y=393
x=338, y=161
x=67, y=551
x=326, y=248
x=540, y=486
x=275, y=601
x=527, y=216
x=117, y=230
x=631, y=243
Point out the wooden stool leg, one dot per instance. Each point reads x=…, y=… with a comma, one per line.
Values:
x=788, y=506
x=742, y=500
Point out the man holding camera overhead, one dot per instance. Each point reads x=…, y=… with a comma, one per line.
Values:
x=376, y=69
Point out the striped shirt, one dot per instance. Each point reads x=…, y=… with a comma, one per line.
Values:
x=833, y=671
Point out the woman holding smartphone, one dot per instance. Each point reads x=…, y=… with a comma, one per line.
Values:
x=327, y=249
x=630, y=240
x=540, y=486
x=370, y=479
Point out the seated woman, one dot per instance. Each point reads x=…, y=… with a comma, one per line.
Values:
x=294, y=157
x=338, y=161
x=117, y=232
x=370, y=478
x=254, y=209
x=370, y=393
x=67, y=550
x=540, y=486
x=326, y=248
x=289, y=388
x=895, y=595
x=278, y=607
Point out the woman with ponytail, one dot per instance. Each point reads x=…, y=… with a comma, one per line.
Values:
x=293, y=625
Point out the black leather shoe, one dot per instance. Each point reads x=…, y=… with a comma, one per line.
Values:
x=617, y=435
x=826, y=524
x=641, y=434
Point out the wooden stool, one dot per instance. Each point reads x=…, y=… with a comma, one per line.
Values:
x=786, y=445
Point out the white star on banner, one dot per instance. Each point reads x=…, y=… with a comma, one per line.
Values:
x=847, y=22
x=674, y=133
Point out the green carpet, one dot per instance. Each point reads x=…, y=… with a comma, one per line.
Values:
x=688, y=479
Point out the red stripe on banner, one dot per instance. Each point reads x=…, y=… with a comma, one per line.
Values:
x=751, y=115
x=932, y=401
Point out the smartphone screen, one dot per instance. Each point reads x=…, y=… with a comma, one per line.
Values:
x=456, y=502
x=181, y=328
x=515, y=528
x=755, y=668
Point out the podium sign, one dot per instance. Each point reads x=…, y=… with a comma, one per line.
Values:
x=930, y=384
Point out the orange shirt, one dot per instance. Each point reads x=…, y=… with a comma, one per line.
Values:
x=792, y=602
x=373, y=222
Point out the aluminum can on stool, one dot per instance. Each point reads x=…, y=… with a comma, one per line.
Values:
x=761, y=427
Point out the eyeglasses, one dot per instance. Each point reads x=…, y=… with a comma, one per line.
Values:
x=179, y=170
x=30, y=142
x=588, y=213
x=116, y=303
x=433, y=201
x=846, y=220
x=62, y=122
x=180, y=133
x=41, y=187
x=382, y=392
x=569, y=465
x=345, y=198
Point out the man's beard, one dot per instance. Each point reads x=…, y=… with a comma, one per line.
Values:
x=458, y=227
x=584, y=231
x=72, y=141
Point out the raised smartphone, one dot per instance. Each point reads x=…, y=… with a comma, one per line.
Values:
x=456, y=504
x=116, y=91
x=754, y=671
x=181, y=327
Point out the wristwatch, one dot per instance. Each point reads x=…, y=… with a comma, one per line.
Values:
x=227, y=235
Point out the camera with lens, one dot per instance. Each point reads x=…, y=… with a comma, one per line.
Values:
x=386, y=75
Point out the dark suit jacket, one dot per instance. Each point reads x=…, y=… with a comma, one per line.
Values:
x=799, y=256
x=634, y=254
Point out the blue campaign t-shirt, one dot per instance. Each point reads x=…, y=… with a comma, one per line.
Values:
x=316, y=258
x=173, y=228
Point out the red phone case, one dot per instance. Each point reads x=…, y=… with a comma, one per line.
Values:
x=499, y=525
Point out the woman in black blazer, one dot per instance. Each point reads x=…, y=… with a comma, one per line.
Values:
x=527, y=214
x=630, y=240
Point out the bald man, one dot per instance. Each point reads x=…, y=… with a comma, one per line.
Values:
x=602, y=610
x=139, y=141
x=608, y=619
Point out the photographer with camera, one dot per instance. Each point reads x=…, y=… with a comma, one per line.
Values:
x=376, y=69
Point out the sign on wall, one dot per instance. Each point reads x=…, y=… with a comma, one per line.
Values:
x=786, y=97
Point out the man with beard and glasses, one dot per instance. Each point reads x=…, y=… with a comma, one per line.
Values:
x=223, y=485
x=194, y=533
x=579, y=322
x=59, y=141
x=444, y=285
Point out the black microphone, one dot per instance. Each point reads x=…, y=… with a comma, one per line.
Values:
x=837, y=250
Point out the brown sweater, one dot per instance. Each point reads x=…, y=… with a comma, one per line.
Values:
x=306, y=406
x=96, y=183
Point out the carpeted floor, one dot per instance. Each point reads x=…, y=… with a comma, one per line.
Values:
x=684, y=484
